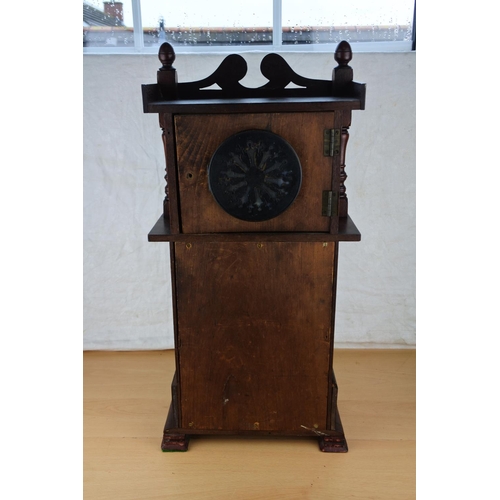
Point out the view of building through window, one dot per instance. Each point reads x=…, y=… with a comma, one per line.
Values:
x=108, y=24
x=218, y=22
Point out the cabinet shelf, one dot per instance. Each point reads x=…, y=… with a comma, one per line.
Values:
x=347, y=232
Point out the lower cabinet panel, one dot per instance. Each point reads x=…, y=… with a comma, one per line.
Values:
x=254, y=322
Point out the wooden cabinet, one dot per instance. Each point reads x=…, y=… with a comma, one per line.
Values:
x=254, y=211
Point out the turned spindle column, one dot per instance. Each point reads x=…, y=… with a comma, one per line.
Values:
x=342, y=84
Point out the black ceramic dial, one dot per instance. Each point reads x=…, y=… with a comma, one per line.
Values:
x=255, y=175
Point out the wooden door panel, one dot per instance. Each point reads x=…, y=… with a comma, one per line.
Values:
x=199, y=136
x=254, y=325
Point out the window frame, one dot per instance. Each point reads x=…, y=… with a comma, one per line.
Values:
x=275, y=46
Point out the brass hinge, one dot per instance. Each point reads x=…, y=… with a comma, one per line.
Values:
x=331, y=142
x=329, y=206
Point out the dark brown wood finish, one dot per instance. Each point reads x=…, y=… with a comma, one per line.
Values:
x=234, y=68
x=173, y=440
x=233, y=328
x=254, y=302
x=343, y=201
x=176, y=402
x=253, y=105
x=347, y=232
x=333, y=415
x=171, y=202
x=303, y=131
x=167, y=75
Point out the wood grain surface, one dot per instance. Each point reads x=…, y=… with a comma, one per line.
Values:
x=254, y=347
x=127, y=395
x=198, y=137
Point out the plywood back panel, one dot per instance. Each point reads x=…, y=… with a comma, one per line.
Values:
x=254, y=325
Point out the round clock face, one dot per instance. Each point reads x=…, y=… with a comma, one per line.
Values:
x=254, y=175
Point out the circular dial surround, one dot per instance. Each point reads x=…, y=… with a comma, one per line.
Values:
x=255, y=175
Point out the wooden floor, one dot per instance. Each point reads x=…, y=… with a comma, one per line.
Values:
x=126, y=398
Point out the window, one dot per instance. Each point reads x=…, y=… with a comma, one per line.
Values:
x=140, y=26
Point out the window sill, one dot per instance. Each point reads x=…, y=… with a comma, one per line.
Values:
x=357, y=47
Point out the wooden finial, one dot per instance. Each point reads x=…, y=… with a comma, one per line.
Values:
x=343, y=53
x=166, y=75
x=342, y=74
x=166, y=55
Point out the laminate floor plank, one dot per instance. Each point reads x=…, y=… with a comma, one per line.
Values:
x=126, y=398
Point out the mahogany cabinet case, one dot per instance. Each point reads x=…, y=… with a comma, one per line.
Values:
x=255, y=207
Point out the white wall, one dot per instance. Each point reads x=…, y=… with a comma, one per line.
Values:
x=127, y=297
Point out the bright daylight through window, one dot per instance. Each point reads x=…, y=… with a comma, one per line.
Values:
x=142, y=25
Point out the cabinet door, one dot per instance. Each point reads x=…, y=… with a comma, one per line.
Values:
x=199, y=136
x=253, y=335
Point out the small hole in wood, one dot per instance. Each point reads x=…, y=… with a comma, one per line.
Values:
x=189, y=175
